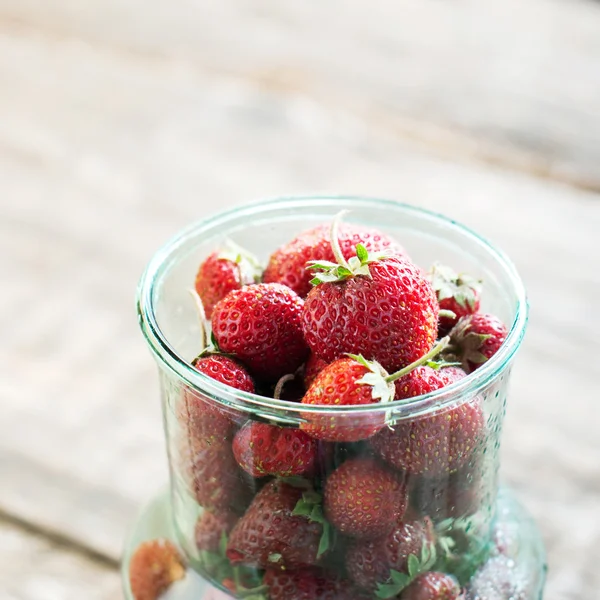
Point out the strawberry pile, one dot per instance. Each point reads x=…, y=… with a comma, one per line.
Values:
x=335, y=505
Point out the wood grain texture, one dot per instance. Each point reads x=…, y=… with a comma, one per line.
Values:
x=510, y=82
x=104, y=155
x=36, y=569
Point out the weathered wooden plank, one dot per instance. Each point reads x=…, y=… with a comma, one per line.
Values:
x=104, y=156
x=520, y=80
x=36, y=569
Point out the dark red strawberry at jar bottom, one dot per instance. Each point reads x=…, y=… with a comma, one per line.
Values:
x=272, y=533
x=476, y=338
x=224, y=271
x=261, y=325
x=364, y=499
x=287, y=265
x=210, y=528
x=262, y=449
x=205, y=418
x=433, y=586
x=370, y=563
x=309, y=584
x=153, y=568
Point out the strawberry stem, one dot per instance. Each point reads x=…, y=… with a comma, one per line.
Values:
x=439, y=347
x=335, y=240
x=201, y=318
x=281, y=384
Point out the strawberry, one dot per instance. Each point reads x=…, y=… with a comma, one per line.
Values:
x=262, y=449
x=205, y=418
x=281, y=529
x=476, y=338
x=354, y=381
x=210, y=528
x=217, y=482
x=154, y=566
x=381, y=308
x=261, y=325
x=433, y=586
x=309, y=584
x=459, y=294
x=435, y=443
x=314, y=365
x=288, y=264
x=383, y=561
x=363, y=499
x=345, y=383
x=224, y=271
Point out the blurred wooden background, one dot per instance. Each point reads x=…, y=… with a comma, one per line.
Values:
x=121, y=121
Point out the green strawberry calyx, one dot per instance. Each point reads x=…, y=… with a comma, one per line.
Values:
x=446, y=283
x=311, y=506
x=250, y=268
x=416, y=565
x=382, y=390
x=466, y=343
x=424, y=360
x=329, y=272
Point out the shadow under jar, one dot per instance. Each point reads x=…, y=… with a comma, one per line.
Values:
x=239, y=531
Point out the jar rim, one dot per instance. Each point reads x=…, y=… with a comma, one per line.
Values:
x=168, y=357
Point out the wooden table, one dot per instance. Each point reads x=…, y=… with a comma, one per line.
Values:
x=123, y=120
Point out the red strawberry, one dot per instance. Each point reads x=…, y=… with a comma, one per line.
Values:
x=216, y=481
x=204, y=417
x=154, y=566
x=476, y=338
x=262, y=449
x=345, y=382
x=370, y=563
x=433, y=586
x=288, y=264
x=260, y=324
x=273, y=534
x=384, y=310
x=223, y=272
x=435, y=443
x=363, y=499
x=309, y=584
x=210, y=528
x=314, y=365
x=457, y=293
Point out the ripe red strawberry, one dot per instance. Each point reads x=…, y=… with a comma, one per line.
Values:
x=288, y=264
x=433, y=586
x=260, y=324
x=272, y=533
x=384, y=310
x=457, y=293
x=370, y=563
x=205, y=418
x=436, y=443
x=314, y=365
x=214, y=476
x=345, y=382
x=309, y=584
x=210, y=528
x=262, y=449
x=363, y=499
x=154, y=566
x=476, y=338
x=222, y=272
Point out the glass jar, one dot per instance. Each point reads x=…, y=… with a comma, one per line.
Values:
x=452, y=497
